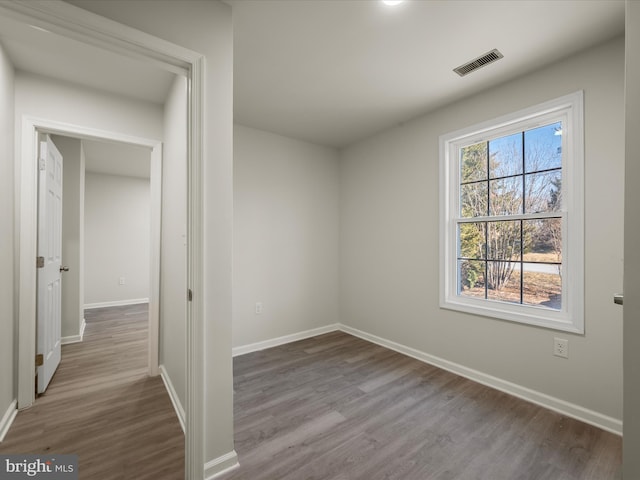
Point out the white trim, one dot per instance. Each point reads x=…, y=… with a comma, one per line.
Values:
x=27, y=228
x=572, y=410
x=26, y=164
x=195, y=434
x=75, y=338
x=116, y=303
x=173, y=395
x=563, y=407
x=8, y=418
x=73, y=22
x=274, y=342
x=155, y=220
x=219, y=466
x=570, y=318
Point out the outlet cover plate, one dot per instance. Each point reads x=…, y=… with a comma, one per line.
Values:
x=561, y=347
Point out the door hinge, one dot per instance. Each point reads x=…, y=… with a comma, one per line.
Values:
x=42, y=163
x=189, y=295
x=39, y=360
x=40, y=262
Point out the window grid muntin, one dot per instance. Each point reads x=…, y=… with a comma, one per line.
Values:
x=570, y=109
x=486, y=258
x=545, y=170
x=522, y=217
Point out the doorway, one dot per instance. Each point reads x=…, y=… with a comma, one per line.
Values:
x=106, y=239
x=146, y=50
x=30, y=134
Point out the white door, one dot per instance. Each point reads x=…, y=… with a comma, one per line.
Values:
x=49, y=261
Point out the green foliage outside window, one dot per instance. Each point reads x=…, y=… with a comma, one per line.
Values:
x=517, y=174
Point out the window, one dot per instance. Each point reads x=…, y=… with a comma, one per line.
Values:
x=512, y=237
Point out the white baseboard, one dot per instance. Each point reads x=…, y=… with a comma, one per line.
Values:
x=173, y=395
x=75, y=338
x=219, y=466
x=569, y=409
x=274, y=342
x=8, y=418
x=116, y=303
x=572, y=410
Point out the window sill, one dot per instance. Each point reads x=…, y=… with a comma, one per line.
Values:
x=529, y=315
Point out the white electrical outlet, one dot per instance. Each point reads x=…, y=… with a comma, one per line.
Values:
x=561, y=347
x=121, y=281
x=258, y=308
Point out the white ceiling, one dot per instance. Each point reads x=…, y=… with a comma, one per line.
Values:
x=116, y=158
x=335, y=71
x=44, y=53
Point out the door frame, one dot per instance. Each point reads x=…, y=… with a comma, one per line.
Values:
x=31, y=127
x=76, y=23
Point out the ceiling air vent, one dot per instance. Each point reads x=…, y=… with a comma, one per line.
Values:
x=479, y=62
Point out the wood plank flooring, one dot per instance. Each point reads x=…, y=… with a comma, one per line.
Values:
x=335, y=407
x=102, y=406
x=332, y=407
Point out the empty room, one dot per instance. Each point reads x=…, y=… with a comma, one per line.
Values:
x=361, y=209
x=399, y=242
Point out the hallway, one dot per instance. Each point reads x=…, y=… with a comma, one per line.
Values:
x=102, y=406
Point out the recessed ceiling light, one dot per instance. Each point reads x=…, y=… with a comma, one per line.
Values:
x=392, y=3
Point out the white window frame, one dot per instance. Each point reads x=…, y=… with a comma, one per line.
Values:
x=569, y=109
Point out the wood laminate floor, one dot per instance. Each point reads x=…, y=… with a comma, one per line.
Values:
x=102, y=406
x=335, y=407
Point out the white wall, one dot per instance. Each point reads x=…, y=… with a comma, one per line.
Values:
x=73, y=164
x=173, y=256
x=286, y=211
x=53, y=100
x=8, y=387
x=631, y=441
x=207, y=28
x=50, y=99
x=389, y=241
x=117, y=239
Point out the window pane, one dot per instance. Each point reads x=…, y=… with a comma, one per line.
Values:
x=505, y=196
x=512, y=194
x=471, y=278
x=471, y=240
x=473, y=200
x=503, y=281
x=473, y=162
x=505, y=156
x=543, y=192
x=543, y=240
x=543, y=148
x=542, y=285
x=503, y=240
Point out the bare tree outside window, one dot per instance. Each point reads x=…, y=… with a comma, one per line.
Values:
x=509, y=241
